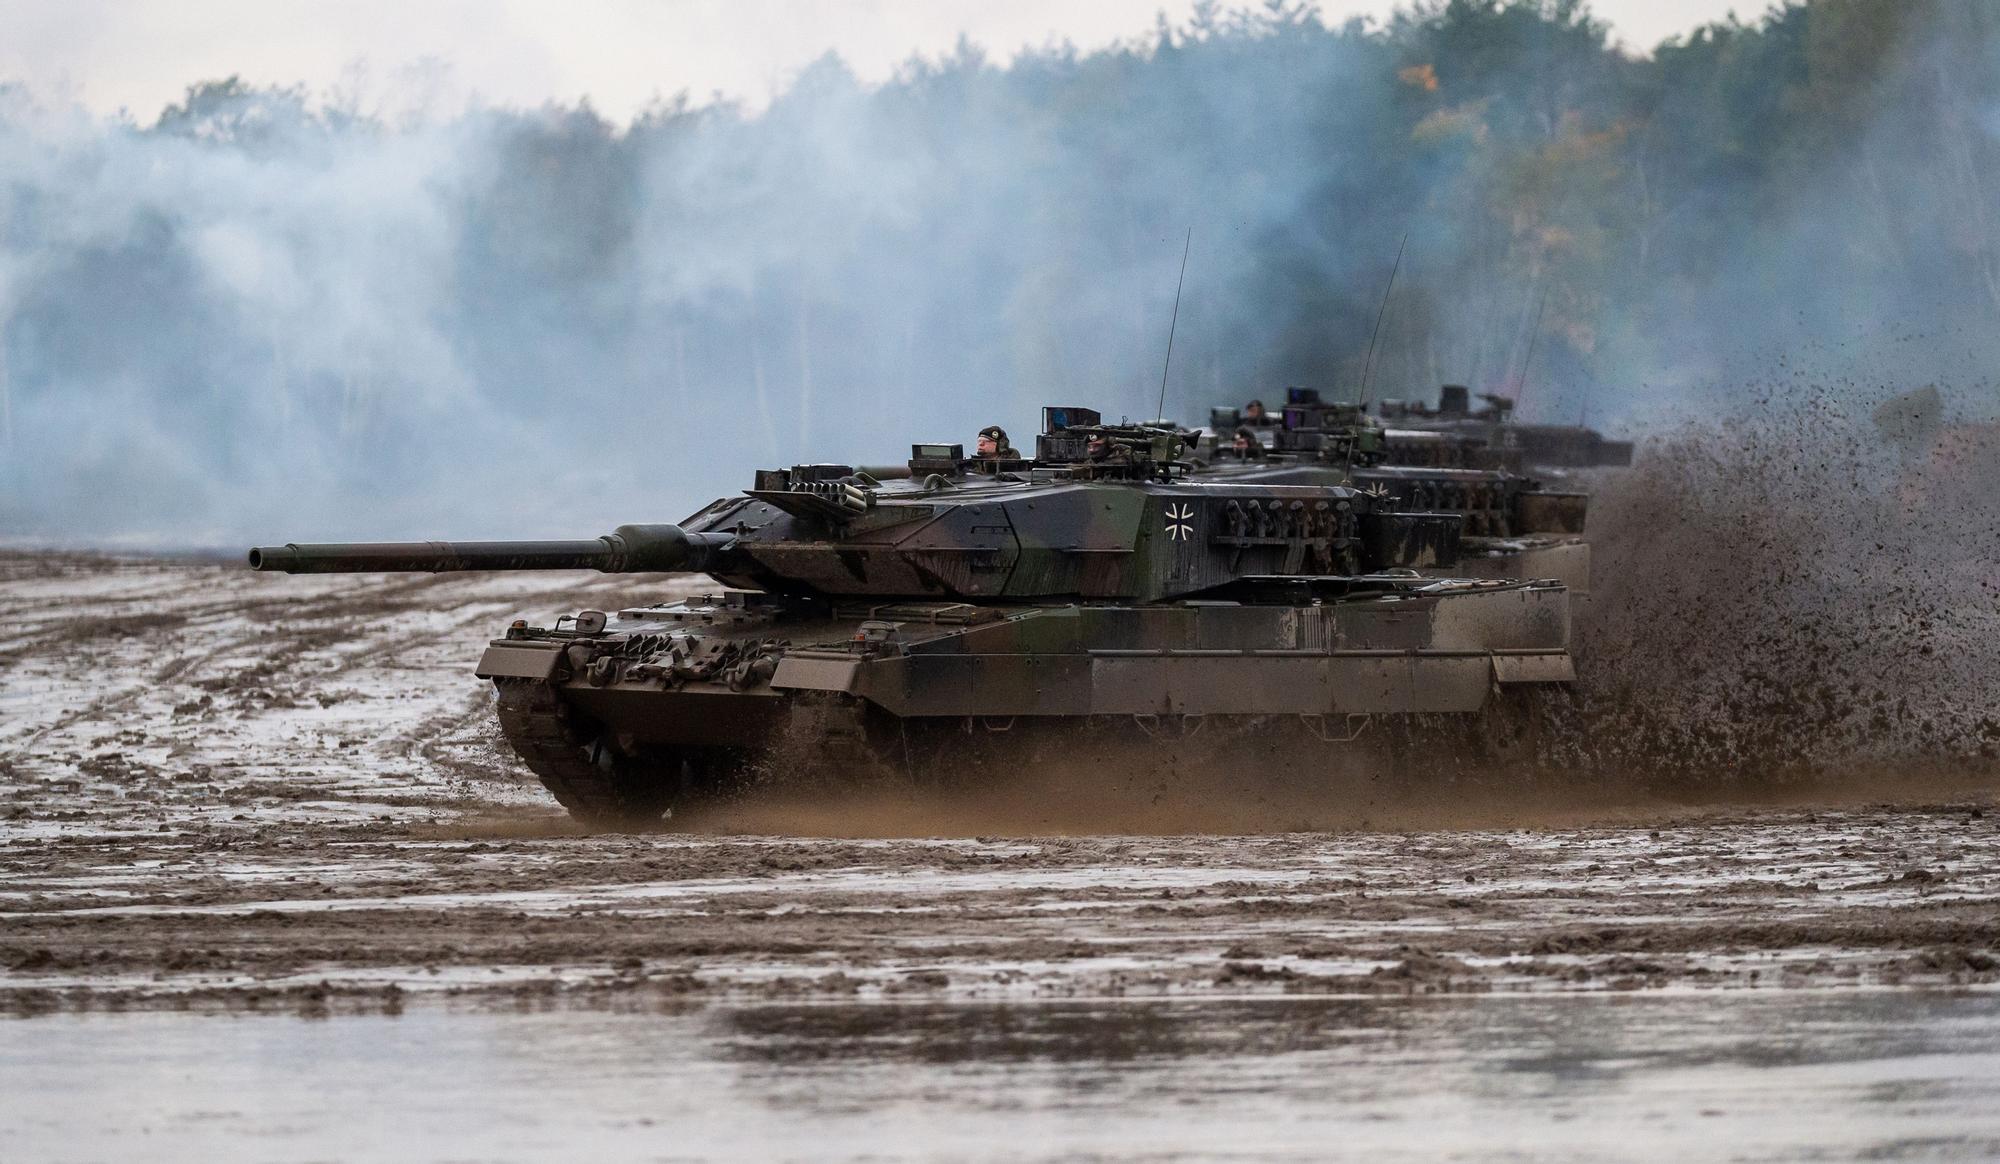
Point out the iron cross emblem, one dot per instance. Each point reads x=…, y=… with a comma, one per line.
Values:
x=1177, y=522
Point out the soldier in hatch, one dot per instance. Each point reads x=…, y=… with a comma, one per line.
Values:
x=1247, y=446
x=992, y=445
x=1102, y=450
x=1253, y=413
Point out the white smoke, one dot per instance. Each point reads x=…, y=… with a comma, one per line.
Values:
x=270, y=317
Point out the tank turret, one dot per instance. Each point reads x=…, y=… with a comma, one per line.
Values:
x=1512, y=525
x=1491, y=438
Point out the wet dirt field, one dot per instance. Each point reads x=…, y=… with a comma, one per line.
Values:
x=276, y=804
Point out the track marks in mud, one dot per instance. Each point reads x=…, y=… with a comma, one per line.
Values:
x=250, y=790
x=148, y=692
x=1793, y=898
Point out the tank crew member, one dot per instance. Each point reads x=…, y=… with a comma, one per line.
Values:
x=1102, y=450
x=992, y=445
x=1253, y=413
x=1247, y=446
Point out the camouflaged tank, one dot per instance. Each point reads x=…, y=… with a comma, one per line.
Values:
x=1454, y=432
x=1099, y=583
x=1515, y=526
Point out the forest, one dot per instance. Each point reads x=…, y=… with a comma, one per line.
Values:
x=274, y=313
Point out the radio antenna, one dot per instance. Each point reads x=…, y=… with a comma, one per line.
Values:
x=1521, y=393
x=1160, y=411
x=1369, y=367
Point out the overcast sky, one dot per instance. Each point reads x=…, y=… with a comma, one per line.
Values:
x=396, y=55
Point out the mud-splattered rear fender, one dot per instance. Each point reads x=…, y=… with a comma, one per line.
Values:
x=1546, y=667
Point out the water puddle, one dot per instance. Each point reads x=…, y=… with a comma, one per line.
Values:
x=1740, y=1076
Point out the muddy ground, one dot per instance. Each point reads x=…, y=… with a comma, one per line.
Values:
x=222, y=789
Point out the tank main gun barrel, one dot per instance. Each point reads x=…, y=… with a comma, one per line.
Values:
x=631, y=549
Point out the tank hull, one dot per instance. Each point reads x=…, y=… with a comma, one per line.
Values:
x=730, y=674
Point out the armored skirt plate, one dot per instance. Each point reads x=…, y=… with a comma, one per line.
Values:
x=1420, y=654
x=1060, y=685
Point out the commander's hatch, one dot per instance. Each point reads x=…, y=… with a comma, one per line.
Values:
x=1055, y=443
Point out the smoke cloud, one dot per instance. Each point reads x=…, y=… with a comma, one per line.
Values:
x=267, y=317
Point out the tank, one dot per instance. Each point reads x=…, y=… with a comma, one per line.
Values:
x=1487, y=436
x=1514, y=525
x=1103, y=584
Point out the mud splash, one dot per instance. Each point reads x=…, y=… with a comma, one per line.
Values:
x=1204, y=792
x=1798, y=594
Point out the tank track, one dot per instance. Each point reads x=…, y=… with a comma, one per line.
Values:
x=841, y=737
x=540, y=730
